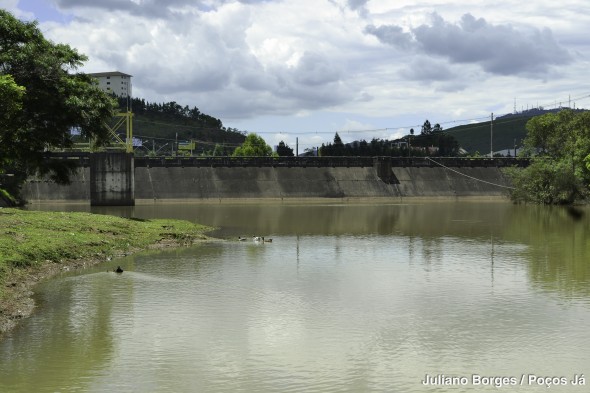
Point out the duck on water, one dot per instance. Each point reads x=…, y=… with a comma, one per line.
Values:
x=256, y=239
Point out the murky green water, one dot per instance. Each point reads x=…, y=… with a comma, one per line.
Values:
x=346, y=298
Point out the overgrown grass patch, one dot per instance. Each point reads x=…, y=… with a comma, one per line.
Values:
x=32, y=238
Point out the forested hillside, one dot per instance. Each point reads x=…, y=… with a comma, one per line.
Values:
x=166, y=127
x=508, y=130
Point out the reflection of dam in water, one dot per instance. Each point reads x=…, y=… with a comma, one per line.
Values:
x=345, y=293
x=119, y=178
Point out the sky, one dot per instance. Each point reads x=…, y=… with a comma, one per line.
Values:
x=306, y=69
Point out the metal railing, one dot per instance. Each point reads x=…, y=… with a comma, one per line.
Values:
x=83, y=159
x=304, y=162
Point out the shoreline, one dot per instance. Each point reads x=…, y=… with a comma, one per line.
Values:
x=18, y=282
x=17, y=301
x=289, y=200
x=17, y=285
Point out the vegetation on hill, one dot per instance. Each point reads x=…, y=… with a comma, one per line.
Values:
x=509, y=131
x=169, y=128
x=560, y=171
x=431, y=141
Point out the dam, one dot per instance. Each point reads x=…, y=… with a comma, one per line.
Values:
x=128, y=179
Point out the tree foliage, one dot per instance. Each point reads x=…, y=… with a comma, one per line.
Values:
x=560, y=145
x=10, y=106
x=172, y=110
x=157, y=124
x=253, y=146
x=545, y=181
x=44, y=98
x=430, y=142
x=426, y=128
x=283, y=150
x=12, y=100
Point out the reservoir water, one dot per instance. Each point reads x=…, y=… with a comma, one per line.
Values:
x=357, y=297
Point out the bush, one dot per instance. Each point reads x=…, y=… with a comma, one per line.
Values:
x=546, y=181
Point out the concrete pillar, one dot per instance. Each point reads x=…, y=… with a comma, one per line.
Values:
x=112, y=179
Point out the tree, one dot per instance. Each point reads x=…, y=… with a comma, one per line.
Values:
x=558, y=174
x=11, y=103
x=337, y=149
x=447, y=145
x=426, y=128
x=45, y=98
x=218, y=150
x=253, y=146
x=284, y=150
x=545, y=181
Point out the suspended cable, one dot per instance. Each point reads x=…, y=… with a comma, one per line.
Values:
x=471, y=177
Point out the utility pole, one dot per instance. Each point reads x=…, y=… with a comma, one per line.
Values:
x=410, y=143
x=492, y=136
x=515, y=105
x=297, y=147
x=514, y=147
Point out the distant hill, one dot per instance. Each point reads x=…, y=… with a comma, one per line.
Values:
x=168, y=126
x=508, y=130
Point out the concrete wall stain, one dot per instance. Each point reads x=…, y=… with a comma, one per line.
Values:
x=160, y=183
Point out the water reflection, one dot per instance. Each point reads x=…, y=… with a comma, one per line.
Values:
x=425, y=219
x=558, y=248
x=557, y=253
x=74, y=328
x=348, y=297
x=553, y=243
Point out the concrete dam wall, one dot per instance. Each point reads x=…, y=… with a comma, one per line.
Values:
x=217, y=183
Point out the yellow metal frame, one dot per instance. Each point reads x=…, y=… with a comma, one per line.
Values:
x=127, y=118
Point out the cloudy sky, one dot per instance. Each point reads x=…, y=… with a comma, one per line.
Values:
x=310, y=68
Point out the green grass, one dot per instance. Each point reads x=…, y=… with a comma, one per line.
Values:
x=33, y=238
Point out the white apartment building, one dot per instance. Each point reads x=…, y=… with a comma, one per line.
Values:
x=114, y=82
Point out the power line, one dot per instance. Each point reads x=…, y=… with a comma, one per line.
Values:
x=471, y=177
x=360, y=131
x=186, y=140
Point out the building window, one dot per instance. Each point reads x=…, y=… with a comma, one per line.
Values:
x=108, y=83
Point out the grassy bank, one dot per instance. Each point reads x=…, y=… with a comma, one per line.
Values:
x=35, y=245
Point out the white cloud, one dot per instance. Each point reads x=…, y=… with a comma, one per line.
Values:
x=312, y=65
x=498, y=49
x=12, y=7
